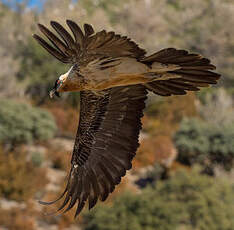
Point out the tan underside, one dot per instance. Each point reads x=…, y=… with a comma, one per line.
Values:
x=120, y=80
x=126, y=71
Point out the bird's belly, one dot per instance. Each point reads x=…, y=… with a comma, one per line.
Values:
x=118, y=80
x=128, y=72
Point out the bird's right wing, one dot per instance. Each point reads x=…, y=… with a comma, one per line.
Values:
x=106, y=142
x=84, y=47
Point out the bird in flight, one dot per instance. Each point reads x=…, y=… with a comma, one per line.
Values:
x=113, y=75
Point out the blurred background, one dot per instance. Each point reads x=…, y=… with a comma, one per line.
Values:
x=182, y=176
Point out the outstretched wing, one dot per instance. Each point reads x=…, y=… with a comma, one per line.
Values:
x=106, y=142
x=84, y=47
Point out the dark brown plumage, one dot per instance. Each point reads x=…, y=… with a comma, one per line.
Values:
x=113, y=75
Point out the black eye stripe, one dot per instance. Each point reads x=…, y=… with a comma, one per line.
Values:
x=56, y=83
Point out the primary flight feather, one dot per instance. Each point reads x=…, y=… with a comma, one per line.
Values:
x=113, y=76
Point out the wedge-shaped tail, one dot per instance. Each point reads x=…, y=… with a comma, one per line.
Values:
x=190, y=72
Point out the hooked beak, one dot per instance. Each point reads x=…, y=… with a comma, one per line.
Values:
x=59, y=84
x=54, y=91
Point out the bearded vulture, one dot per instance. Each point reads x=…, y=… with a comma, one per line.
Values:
x=113, y=76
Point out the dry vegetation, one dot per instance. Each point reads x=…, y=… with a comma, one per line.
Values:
x=27, y=73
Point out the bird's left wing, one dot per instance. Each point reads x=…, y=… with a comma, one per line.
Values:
x=106, y=142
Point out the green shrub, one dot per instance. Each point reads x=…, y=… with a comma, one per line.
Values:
x=205, y=143
x=39, y=70
x=21, y=123
x=37, y=159
x=188, y=201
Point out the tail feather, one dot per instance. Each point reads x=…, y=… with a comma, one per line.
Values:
x=190, y=72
